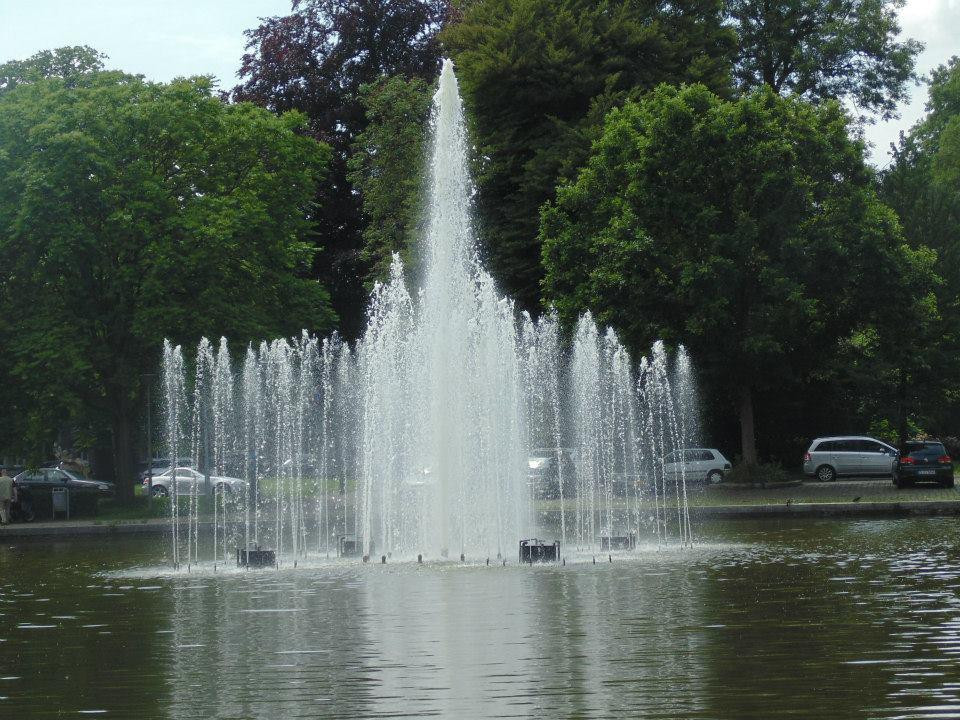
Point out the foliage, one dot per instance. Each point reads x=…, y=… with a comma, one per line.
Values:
x=919, y=184
x=315, y=60
x=748, y=230
x=821, y=49
x=756, y=474
x=131, y=211
x=539, y=76
x=386, y=167
x=67, y=63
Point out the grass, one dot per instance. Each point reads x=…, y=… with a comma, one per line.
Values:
x=840, y=491
x=111, y=511
x=699, y=495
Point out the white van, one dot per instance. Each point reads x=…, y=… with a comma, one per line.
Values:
x=696, y=464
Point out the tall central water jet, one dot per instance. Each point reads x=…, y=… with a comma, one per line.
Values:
x=441, y=449
x=432, y=434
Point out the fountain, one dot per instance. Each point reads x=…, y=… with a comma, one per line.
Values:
x=415, y=442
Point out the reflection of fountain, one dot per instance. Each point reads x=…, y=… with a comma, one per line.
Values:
x=416, y=439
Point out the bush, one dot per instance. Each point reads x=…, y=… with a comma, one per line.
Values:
x=952, y=444
x=758, y=474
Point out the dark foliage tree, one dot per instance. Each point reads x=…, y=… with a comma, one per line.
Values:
x=538, y=77
x=315, y=60
x=822, y=49
x=748, y=230
x=133, y=211
x=387, y=169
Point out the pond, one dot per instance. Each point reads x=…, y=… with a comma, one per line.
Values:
x=759, y=620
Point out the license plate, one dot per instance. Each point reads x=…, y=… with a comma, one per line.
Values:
x=927, y=472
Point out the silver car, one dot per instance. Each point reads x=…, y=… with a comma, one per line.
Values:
x=849, y=455
x=186, y=479
x=696, y=464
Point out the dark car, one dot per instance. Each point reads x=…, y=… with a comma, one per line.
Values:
x=35, y=492
x=923, y=461
x=51, y=477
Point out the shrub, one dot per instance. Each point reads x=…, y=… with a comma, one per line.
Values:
x=952, y=444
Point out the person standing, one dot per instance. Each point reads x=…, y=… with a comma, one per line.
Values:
x=6, y=496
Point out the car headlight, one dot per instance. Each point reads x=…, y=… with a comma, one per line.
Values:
x=536, y=463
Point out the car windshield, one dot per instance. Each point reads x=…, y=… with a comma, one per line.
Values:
x=923, y=449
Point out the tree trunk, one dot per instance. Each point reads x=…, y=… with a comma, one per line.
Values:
x=902, y=427
x=748, y=438
x=124, y=454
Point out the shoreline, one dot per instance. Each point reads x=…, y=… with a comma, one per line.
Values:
x=870, y=509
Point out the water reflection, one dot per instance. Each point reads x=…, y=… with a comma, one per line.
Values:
x=831, y=619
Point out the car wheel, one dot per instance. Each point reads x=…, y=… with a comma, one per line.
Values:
x=159, y=491
x=714, y=477
x=825, y=473
x=946, y=483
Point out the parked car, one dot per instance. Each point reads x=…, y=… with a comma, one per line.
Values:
x=831, y=457
x=51, y=477
x=185, y=478
x=923, y=461
x=696, y=464
x=544, y=469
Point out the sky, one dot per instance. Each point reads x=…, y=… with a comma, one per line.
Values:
x=163, y=39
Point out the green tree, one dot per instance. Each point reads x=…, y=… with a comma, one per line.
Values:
x=386, y=167
x=538, y=78
x=132, y=211
x=68, y=63
x=922, y=183
x=749, y=230
x=822, y=49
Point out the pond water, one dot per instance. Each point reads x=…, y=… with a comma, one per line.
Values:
x=760, y=620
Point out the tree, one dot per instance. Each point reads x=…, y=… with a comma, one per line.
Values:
x=67, y=63
x=315, y=60
x=132, y=211
x=823, y=49
x=538, y=78
x=748, y=230
x=922, y=183
x=386, y=167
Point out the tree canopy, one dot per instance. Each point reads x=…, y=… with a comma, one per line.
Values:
x=922, y=183
x=133, y=211
x=386, y=167
x=538, y=77
x=821, y=49
x=747, y=229
x=315, y=60
x=67, y=63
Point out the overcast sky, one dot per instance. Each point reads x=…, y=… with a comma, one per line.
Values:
x=162, y=39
